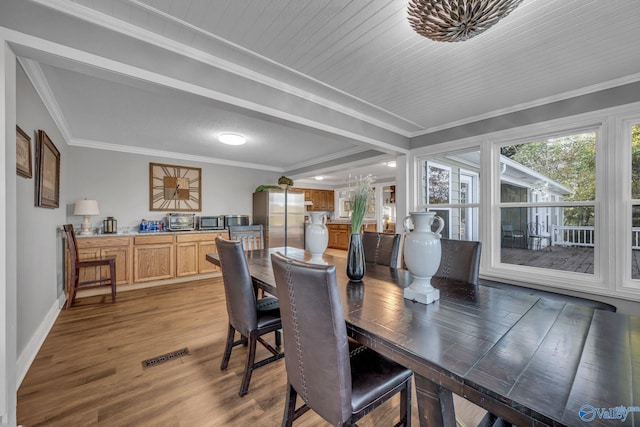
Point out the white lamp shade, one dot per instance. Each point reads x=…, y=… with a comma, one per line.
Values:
x=86, y=207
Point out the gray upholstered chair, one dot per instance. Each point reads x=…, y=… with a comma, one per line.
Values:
x=250, y=317
x=335, y=377
x=382, y=248
x=460, y=260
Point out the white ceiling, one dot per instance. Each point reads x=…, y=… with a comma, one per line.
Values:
x=311, y=83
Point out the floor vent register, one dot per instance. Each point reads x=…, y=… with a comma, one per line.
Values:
x=164, y=358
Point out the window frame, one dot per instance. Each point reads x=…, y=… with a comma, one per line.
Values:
x=534, y=273
x=421, y=163
x=623, y=259
x=612, y=204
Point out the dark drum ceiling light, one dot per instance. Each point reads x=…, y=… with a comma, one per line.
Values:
x=456, y=20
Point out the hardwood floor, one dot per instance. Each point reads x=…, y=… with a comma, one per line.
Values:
x=89, y=370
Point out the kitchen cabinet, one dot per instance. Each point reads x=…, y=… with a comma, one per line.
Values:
x=104, y=247
x=339, y=236
x=370, y=226
x=191, y=252
x=323, y=200
x=153, y=258
x=186, y=259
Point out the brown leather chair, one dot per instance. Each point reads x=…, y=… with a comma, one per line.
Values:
x=460, y=260
x=335, y=377
x=382, y=248
x=76, y=264
x=250, y=317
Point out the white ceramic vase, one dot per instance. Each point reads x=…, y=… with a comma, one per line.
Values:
x=422, y=253
x=317, y=236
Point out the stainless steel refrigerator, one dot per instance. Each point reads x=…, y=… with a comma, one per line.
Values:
x=269, y=210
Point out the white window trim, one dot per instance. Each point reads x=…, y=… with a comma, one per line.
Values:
x=612, y=260
x=622, y=188
x=555, y=278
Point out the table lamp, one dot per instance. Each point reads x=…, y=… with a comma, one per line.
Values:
x=86, y=208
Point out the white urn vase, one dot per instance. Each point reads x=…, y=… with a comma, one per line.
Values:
x=317, y=236
x=422, y=253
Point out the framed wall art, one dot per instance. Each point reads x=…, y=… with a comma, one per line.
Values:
x=47, y=172
x=23, y=154
x=174, y=188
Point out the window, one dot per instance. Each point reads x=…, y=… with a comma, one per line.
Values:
x=560, y=203
x=450, y=189
x=547, y=202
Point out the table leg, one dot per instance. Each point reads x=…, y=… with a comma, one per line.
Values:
x=435, y=404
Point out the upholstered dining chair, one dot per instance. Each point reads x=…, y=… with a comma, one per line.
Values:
x=337, y=378
x=460, y=260
x=251, y=236
x=382, y=248
x=250, y=317
x=76, y=265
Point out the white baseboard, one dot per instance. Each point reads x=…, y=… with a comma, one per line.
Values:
x=28, y=355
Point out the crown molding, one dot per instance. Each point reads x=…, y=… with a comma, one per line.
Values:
x=34, y=73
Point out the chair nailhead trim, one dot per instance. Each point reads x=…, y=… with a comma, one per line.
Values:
x=357, y=350
x=296, y=332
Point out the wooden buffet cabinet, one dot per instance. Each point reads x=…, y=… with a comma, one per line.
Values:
x=149, y=257
x=112, y=246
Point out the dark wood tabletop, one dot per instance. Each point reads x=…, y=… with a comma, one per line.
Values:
x=529, y=360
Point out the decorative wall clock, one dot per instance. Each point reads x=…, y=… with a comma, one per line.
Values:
x=174, y=188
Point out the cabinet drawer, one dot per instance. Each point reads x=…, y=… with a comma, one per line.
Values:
x=152, y=240
x=338, y=226
x=100, y=242
x=199, y=237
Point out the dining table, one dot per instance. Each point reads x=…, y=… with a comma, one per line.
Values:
x=526, y=359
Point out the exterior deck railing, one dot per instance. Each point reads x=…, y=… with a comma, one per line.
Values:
x=563, y=235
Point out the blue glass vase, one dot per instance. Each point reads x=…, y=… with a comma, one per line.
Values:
x=355, y=258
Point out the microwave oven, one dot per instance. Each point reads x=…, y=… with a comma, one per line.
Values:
x=212, y=222
x=181, y=221
x=230, y=220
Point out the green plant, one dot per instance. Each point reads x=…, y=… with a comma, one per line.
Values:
x=359, y=200
x=264, y=187
x=284, y=180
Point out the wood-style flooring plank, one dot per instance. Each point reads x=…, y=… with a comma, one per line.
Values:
x=89, y=370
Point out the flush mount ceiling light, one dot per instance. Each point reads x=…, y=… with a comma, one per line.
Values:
x=231, y=139
x=391, y=164
x=456, y=20
x=319, y=177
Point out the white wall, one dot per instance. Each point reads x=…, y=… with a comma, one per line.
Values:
x=120, y=183
x=8, y=236
x=37, y=245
